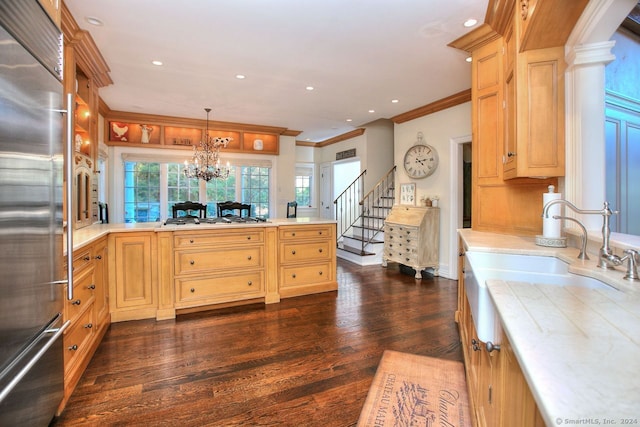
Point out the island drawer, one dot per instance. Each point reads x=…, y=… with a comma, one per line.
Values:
x=218, y=237
x=294, y=252
x=306, y=274
x=222, y=287
x=188, y=262
x=324, y=231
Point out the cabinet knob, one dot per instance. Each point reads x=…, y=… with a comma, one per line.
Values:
x=320, y=250
x=91, y=286
x=73, y=347
x=320, y=233
x=491, y=346
x=249, y=283
x=320, y=273
x=249, y=257
x=475, y=344
x=293, y=275
x=89, y=325
x=98, y=257
x=192, y=262
x=293, y=252
x=248, y=237
x=87, y=258
x=76, y=302
x=190, y=240
x=511, y=154
x=192, y=290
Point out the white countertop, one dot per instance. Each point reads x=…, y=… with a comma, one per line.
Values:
x=579, y=348
x=86, y=235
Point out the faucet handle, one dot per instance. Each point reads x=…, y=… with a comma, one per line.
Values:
x=632, y=264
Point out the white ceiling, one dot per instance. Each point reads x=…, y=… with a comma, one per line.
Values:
x=357, y=54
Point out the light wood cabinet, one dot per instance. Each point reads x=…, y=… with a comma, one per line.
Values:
x=133, y=287
x=52, y=7
x=307, y=259
x=85, y=72
x=218, y=266
x=534, y=119
x=499, y=204
x=498, y=391
x=412, y=238
x=89, y=319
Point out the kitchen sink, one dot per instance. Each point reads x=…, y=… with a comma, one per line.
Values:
x=483, y=266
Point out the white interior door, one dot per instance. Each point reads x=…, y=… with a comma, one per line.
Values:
x=326, y=195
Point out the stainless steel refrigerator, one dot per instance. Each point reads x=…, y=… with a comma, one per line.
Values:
x=31, y=224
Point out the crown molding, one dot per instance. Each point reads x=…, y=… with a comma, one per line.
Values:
x=434, y=107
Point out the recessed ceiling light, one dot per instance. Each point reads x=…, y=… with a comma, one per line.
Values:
x=468, y=59
x=470, y=22
x=309, y=88
x=372, y=111
x=394, y=101
x=240, y=76
x=349, y=120
x=156, y=62
x=93, y=21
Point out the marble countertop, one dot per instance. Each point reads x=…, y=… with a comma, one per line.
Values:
x=579, y=348
x=86, y=235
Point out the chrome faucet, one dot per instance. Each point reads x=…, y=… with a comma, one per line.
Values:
x=606, y=258
x=583, y=250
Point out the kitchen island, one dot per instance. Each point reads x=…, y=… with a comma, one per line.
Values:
x=578, y=349
x=157, y=270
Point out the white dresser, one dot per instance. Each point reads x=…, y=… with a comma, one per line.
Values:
x=412, y=238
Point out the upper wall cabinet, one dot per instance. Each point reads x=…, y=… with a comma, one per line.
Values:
x=533, y=109
x=85, y=73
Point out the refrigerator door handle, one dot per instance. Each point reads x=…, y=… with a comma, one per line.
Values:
x=25, y=370
x=69, y=195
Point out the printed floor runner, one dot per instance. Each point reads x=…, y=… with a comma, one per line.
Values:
x=411, y=390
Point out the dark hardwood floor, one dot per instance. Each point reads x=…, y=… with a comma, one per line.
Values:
x=307, y=361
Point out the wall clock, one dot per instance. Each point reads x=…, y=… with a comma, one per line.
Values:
x=420, y=161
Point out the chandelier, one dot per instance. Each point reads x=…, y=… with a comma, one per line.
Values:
x=205, y=163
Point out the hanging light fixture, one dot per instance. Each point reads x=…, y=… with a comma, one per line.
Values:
x=205, y=163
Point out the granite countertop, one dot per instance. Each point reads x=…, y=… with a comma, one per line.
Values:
x=578, y=348
x=84, y=236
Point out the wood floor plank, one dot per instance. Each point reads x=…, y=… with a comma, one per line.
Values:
x=304, y=361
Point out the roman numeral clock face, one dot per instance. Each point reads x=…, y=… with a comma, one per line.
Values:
x=420, y=161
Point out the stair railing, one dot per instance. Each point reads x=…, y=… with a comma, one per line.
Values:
x=376, y=204
x=347, y=206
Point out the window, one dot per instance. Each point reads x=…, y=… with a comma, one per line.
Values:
x=303, y=185
x=180, y=188
x=220, y=190
x=255, y=189
x=141, y=192
x=152, y=188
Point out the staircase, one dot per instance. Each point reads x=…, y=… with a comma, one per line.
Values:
x=361, y=219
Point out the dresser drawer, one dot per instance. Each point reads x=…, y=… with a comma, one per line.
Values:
x=306, y=232
x=77, y=338
x=304, y=275
x=247, y=285
x=294, y=252
x=83, y=294
x=216, y=238
x=188, y=262
x=407, y=256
